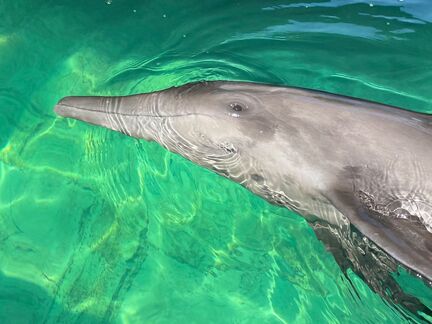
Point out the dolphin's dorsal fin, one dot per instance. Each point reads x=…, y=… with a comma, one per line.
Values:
x=403, y=237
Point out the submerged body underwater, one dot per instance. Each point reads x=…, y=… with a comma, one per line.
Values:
x=100, y=227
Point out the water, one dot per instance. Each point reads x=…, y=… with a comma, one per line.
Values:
x=99, y=227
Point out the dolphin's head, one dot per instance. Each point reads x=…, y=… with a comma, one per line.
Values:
x=211, y=123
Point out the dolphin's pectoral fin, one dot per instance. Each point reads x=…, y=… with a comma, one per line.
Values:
x=405, y=239
x=354, y=251
x=372, y=245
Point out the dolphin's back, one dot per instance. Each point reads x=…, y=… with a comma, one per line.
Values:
x=366, y=161
x=377, y=166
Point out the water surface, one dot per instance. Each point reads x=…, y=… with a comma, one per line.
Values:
x=99, y=227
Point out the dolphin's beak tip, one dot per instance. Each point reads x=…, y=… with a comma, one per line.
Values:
x=59, y=109
x=64, y=106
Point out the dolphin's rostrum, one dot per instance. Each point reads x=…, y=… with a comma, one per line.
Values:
x=338, y=161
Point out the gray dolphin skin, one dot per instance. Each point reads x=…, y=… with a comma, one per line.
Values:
x=335, y=160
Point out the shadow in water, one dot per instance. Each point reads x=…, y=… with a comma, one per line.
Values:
x=22, y=302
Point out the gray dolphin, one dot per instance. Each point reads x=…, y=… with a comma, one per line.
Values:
x=333, y=159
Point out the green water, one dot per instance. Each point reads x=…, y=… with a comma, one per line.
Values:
x=98, y=227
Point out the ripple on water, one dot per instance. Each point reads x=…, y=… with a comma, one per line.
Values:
x=121, y=229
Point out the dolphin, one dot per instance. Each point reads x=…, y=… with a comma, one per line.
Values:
x=338, y=161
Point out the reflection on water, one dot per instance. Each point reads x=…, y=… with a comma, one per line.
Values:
x=96, y=226
x=419, y=9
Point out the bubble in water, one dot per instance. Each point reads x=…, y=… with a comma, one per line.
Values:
x=370, y=4
x=164, y=15
x=108, y=2
x=134, y=10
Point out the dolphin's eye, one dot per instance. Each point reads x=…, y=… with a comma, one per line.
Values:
x=236, y=107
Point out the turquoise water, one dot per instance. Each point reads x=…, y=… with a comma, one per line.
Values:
x=99, y=227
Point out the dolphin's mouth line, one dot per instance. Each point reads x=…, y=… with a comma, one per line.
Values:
x=130, y=115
